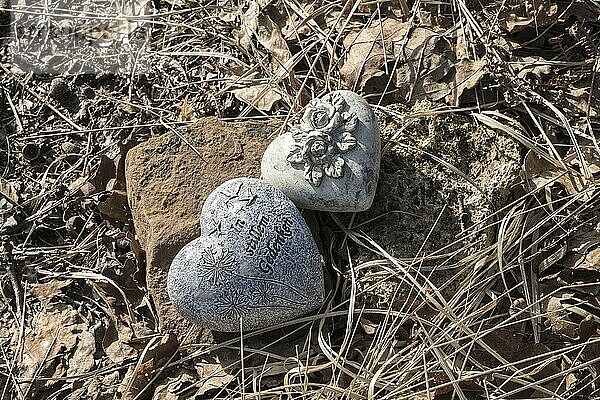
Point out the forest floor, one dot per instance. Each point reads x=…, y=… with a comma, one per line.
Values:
x=475, y=275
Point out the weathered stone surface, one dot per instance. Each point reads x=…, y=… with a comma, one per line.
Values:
x=330, y=160
x=167, y=184
x=256, y=260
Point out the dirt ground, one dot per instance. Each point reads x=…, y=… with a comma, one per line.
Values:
x=474, y=275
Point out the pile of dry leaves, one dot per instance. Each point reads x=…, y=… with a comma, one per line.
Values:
x=521, y=320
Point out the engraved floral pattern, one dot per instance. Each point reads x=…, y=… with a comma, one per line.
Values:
x=323, y=135
x=264, y=292
x=232, y=304
x=216, y=266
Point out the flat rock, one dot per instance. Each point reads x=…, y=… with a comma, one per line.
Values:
x=167, y=183
x=256, y=260
x=330, y=160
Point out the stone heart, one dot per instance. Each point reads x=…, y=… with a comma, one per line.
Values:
x=256, y=260
x=330, y=160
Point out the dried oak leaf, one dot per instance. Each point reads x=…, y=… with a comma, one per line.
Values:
x=539, y=173
x=513, y=346
x=516, y=15
x=576, y=93
x=298, y=23
x=416, y=61
x=426, y=60
x=115, y=207
x=82, y=359
x=583, y=248
x=256, y=23
x=9, y=190
x=590, y=156
x=117, y=338
x=212, y=376
x=98, y=387
x=261, y=96
x=107, y=170
x=468, y=74
x=370, y=52
x=175, y=386
x=50, y=343
x=569, y=315
x=263, y=21
x=9, y=198
x=51, y=292
x=136, y=380
x=536, y=66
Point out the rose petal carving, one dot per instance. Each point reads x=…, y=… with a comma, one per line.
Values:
x=323, y=134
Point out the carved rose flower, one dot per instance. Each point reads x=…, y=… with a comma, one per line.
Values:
x=322, y=136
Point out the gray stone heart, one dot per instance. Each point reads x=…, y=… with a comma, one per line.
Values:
x=330, y=160
x=256, y=260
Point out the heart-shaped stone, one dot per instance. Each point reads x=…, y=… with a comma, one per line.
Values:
x=256, y=260
x=330, y=160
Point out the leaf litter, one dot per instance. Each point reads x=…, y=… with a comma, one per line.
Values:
x=515, y=315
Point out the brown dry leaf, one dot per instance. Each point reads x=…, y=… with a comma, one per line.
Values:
x=269, y=35
x=125, y=273
x=468, y=386
x=295, y=25
x=82, y=360
x=136, y=381
x=584, y=249
x=110, y=177
x=590, y=155
x=115, y=342
x=211, y=376
x=591, y=260
x=176, y=387
x=186, y=113
x=261, y=97
x=98, y=387
x=109, y=169
x=537, y=66
x=9, y=190
x=572, y=315
x=558, y=319
x=516, y=15
x=575, y=91
x=160, y=352
x=104, y=173
x=51, y=292
x=468, y=75
x=47, y=345
x=369, y=51
x=368, y=326
x=416, y=61
x=539, y=173
x=8, y=199
x=579, y=99
x=256, y=23
x=580, y=255
x=115, y=207
x=426, y=59
x=514, y=347
x=138, y=252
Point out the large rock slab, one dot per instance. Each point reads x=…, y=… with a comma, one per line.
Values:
x=167, y=183
x=255, y=265
x=330, y=160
